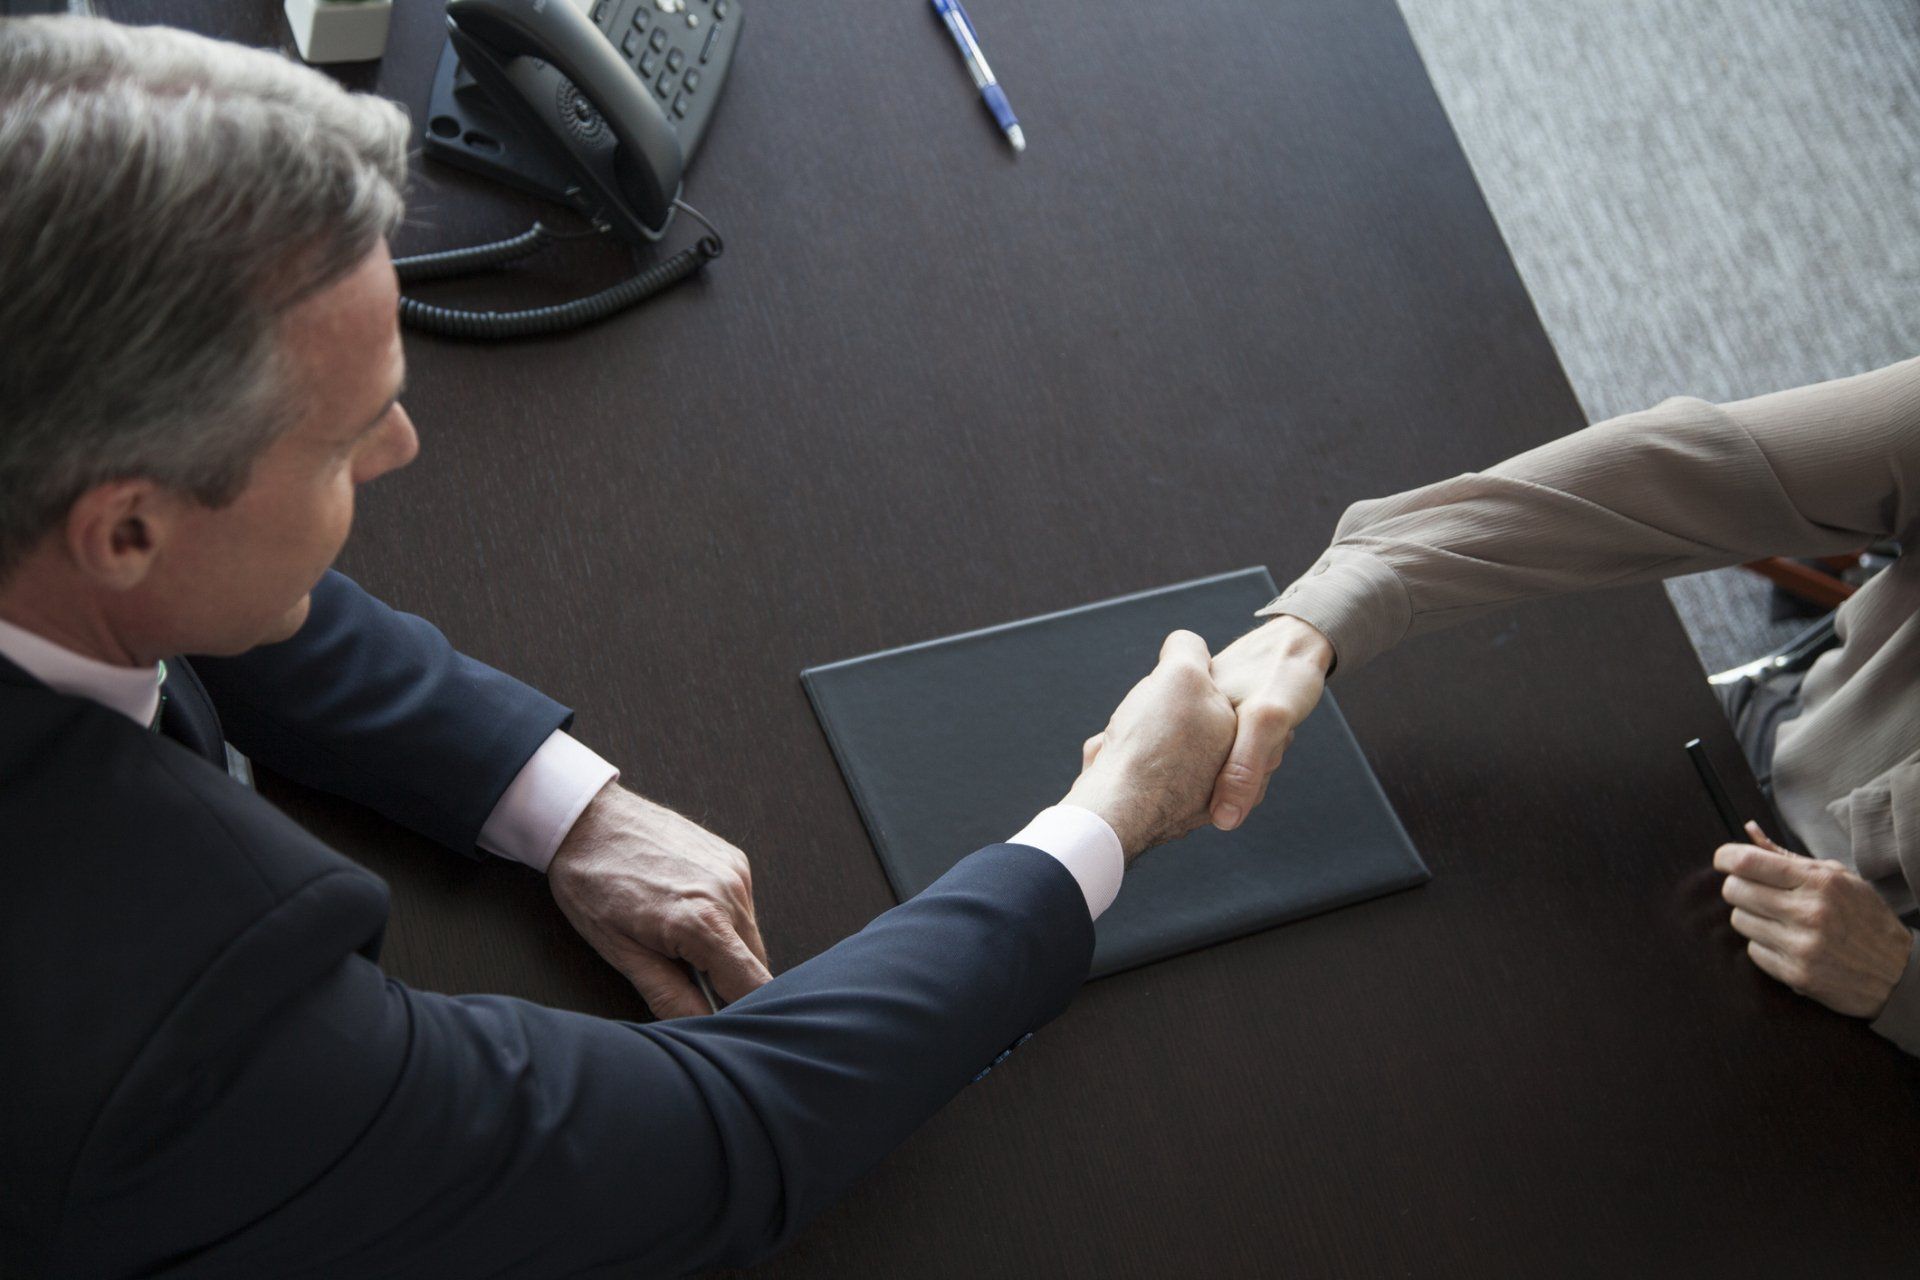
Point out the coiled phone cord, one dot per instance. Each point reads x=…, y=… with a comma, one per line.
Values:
x=494, y=326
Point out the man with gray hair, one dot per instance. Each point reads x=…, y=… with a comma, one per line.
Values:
x=205, y=1070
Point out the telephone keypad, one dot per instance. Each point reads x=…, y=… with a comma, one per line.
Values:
x=672, y=61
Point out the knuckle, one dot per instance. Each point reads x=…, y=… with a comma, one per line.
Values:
x=695, y=922
x=1186, y=639
x=1238, y=775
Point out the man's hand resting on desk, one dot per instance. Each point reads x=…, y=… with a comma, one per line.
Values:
x=1150, y=772
x=650, y=889
x=1814, y=925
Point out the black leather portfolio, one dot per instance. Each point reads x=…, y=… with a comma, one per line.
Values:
x=954, y=744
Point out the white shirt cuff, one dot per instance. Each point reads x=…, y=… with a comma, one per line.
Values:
x=539, y=807
x=1085, y=845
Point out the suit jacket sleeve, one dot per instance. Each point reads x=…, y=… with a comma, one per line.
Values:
x=352, y=1126
x=1682, y=487
x=374, y=705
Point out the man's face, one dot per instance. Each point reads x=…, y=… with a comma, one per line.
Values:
x=238, y=576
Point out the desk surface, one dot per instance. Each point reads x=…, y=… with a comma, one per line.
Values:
x=1242, y=277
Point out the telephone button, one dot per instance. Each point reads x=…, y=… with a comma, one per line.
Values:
x=640, y=19
x=719, y=10
x=648, y=61
x=664, y=85
x=680, y=107
x=706, y=50
x=600, y=10
x=692, y=80
x=659, y=38
x=675, y=59
x=631, y=43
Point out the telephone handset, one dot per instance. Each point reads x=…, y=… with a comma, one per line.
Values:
x=599, y=112
x=549, y=67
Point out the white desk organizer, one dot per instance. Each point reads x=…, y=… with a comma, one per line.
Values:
x=339, y=30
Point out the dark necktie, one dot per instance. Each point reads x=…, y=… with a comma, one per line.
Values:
x=187, y=715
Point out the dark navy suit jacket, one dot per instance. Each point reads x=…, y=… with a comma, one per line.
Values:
x=204, y=1071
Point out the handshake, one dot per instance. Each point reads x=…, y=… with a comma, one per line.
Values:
x=1196, y=741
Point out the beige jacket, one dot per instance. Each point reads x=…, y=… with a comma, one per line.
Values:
x=1682, y=487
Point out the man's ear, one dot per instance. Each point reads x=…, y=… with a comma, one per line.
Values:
x=115, y=531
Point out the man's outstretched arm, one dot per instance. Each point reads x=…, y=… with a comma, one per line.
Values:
x=300, y=1114
x=363, y=1128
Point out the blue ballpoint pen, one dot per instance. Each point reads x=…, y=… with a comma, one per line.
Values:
x=996, y=99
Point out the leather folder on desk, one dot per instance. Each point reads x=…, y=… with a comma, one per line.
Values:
x=953, y=744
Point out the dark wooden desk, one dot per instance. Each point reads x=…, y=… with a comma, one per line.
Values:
x=1242, y=277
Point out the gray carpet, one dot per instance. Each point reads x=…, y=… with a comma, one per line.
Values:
x=1705, y=197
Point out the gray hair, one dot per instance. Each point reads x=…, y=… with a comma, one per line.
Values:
x=164, y=201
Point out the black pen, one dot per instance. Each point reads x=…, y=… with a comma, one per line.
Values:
x=1743, y=833
x=1710, y=779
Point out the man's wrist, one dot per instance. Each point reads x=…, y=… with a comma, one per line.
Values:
x=616, y=814
x=1093, y=792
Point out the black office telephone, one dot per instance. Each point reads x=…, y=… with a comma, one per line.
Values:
x=597, y=111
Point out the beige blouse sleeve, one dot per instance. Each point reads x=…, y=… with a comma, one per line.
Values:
x=1678, y=488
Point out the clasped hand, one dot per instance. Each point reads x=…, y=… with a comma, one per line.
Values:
x=1151, y=771
x=650, y=889
x=1271, y=678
